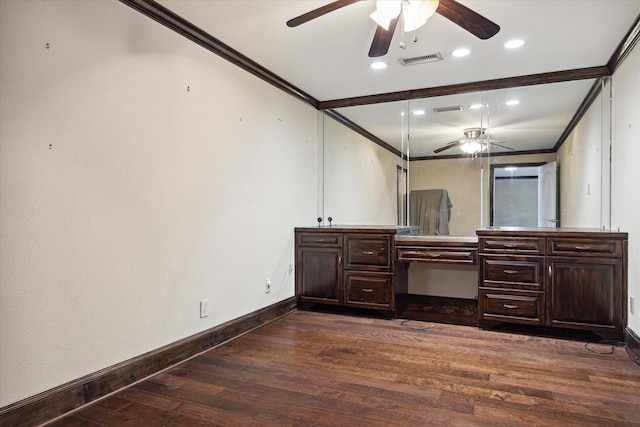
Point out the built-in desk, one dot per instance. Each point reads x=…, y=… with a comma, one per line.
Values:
x=558, y=277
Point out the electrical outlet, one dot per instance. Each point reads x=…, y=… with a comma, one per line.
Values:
x=267, y=286
x=632, y=308
x=204, y=308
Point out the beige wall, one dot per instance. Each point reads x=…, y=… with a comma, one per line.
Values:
x=461, y=179
x=625, y=174
x=127, y=198
x=360, y=178
x=584, y=189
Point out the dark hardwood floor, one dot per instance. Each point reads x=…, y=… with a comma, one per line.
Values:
x=311, y=368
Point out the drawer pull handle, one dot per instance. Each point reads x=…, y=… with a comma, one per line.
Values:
x=367, y=252
x=510, y=306
x=319, y=240
x=511, y=245
x=429, y=254
x=583, y=248
x=367, y=291
x=510, y=271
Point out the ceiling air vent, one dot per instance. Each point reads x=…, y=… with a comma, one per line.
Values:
x=451, y=108
x=434, y=57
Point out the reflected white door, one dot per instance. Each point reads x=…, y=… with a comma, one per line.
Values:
x=547, y=197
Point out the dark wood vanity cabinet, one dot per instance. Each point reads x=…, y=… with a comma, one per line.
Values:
x=350, y=266
x=587, y=284
x=563, y=278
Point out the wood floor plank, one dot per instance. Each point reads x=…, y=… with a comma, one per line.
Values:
x=322, y=369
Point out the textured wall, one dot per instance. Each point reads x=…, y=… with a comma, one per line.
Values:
x=625, y=176
x=139, y=174
x=580, y=160
x=360, y=178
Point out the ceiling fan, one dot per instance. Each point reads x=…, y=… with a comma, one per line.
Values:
x=473, y=142
x=414, y=14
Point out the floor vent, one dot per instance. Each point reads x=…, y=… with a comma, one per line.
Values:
x=451, y=108
x=434, y=57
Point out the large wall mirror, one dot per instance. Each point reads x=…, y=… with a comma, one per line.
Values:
x=448, y=152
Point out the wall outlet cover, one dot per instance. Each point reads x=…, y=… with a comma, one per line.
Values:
x=204, y=308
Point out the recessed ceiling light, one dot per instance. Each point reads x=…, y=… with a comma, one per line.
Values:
x=513, y=44
x=475, y=106
x=512, y=102
x=463, y=51
x=419, y=112
x=378, y=65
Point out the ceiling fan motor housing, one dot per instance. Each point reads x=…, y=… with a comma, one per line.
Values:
x=474, y=133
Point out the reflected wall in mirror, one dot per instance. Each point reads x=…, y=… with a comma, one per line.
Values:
x=359, y=177
x=584, y=167
x=357, y=170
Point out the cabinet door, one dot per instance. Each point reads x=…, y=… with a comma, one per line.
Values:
x=585, y=293
x=319, y=275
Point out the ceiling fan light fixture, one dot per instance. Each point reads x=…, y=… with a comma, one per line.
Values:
x=416, y=12
x=472, y=147
x=385, y=12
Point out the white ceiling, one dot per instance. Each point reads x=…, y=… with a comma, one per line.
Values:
x=327, y=58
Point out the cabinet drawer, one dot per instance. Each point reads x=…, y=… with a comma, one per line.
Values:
x=584, y=247
x=437, y=254
x=520, y=273
x=319, y=239
x=519, y=307
x=369, y=289
x=373, y=251
x=515, y=245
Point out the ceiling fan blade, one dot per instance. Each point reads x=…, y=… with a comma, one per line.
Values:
x=306, y=17
x=382, y=40
x=448, y=146
x=466, y=18
x=501, y=146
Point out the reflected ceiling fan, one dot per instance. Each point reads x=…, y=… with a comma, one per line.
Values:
x=414, y=14
x=473, y=142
